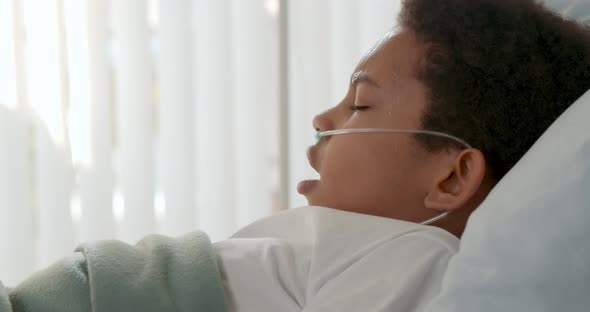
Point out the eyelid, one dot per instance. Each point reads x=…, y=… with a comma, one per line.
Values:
x=355, y=107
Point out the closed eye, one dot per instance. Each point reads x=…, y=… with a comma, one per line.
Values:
x=358, y=108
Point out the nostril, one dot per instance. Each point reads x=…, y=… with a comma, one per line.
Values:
x=315, y=123
x=320, y=122
x=324, y=121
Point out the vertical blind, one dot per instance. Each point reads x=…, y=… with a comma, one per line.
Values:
x=129, y=117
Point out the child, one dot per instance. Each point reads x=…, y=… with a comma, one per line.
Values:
x=491, y=74
x=434, y=116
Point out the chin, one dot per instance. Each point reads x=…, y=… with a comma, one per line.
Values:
x=312, y=200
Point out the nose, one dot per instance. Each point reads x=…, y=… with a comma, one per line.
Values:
x=322, y=122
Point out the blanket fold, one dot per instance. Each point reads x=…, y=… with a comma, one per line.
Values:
x=157, y=274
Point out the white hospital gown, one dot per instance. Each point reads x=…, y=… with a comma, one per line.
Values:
x=319, y=259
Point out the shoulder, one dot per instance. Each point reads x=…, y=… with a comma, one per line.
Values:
x=399, y=273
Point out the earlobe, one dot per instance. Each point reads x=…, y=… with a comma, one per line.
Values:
x=458, y=182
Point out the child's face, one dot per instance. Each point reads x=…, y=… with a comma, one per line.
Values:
x=379, y=174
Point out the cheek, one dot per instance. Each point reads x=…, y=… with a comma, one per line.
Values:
x=366, y=172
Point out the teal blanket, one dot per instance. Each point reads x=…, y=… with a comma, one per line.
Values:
x=158, y=274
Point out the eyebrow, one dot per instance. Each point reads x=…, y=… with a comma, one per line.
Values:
x=361, y=76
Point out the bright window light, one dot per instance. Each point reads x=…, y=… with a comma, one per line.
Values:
x=79, y=118
x=118, y=207
x=153, y=12
x=43, y=65
x=272, y=7
x=160, y=205
x=7, y=60
x=76, y=208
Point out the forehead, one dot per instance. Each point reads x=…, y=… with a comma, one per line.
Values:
x=395, y=56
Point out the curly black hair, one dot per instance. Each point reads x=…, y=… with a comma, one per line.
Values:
x=499, y=72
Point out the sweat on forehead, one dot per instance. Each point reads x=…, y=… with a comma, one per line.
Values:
x=377, y=45
x=397, y=55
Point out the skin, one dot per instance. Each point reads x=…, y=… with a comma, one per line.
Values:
x=392, y=175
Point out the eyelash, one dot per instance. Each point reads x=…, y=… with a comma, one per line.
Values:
x=358, y=108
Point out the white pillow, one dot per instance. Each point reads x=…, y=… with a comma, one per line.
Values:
x=527, y=247
x=578, y=10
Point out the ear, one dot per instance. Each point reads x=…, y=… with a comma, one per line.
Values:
x=456, y=184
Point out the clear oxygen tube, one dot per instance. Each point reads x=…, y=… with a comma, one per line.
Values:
x=322, y=134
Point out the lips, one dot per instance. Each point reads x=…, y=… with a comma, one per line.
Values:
x=311, y=151
x=306, y=186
